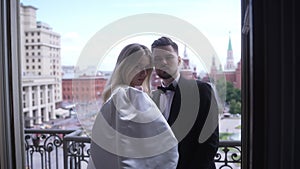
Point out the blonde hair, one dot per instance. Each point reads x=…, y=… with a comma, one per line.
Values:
x=127, y=61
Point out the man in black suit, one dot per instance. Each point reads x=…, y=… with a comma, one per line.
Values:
x=190, y=107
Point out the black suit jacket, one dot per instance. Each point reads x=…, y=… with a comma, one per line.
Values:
x=192, y=102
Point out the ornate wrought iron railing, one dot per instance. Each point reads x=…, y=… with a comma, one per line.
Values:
x=229, y=155
x=44, y=147
x=58, y=149
x=76, y=150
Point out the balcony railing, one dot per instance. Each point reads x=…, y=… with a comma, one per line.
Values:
x=58, y=149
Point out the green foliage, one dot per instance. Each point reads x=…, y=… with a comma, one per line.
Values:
x=233, y=98
x=221, y=89
x=235, y=107
x=232, y=93
x=225, y=136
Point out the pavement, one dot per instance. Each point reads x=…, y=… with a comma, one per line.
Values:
x=229, y=125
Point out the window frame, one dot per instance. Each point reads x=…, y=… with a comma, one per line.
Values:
x=11, y=130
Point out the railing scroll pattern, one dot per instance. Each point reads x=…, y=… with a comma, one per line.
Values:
x=45, y=149
x=76, y=151
x=229, y=154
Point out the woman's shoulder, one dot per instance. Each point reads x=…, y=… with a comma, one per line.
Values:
x=127, y=91
x=131, y=103
x=129, y=94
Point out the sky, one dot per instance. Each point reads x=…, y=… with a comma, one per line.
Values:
x=77, y=21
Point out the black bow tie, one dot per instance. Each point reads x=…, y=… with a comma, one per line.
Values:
x=164, y=89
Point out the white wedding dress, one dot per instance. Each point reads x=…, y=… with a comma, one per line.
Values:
x=131, y=133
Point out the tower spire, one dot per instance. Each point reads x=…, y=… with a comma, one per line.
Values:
x=229, y=43
x=229, y=60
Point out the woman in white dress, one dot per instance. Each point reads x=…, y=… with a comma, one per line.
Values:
x=130, y=132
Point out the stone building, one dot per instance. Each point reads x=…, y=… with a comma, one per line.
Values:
x=41, y=68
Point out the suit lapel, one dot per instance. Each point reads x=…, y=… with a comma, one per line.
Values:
x=176, y=103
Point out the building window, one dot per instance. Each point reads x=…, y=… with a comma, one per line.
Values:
x=32, y=40
x=39, y=46
x=27, y=54
x=27, y=67
x=39, y=53
x=26, y=41
x=26, y=47
x=39, y=73
x=38, y=40
x=26, y=34
x=32, y=47
x=32, y=53
x=32, y=33
x=33, y=60
x=33, y=67
x=39, y=66
x=38, y=33
x=39, y=60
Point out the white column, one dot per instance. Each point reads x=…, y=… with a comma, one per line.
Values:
x=30, y=113
x=46, y=112
x=38, y=101
x=52, y=100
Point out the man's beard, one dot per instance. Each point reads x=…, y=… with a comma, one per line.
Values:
x=164, y=75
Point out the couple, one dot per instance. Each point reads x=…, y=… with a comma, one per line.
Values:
x=168, y=128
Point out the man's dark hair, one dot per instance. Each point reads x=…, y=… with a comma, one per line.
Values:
x=164, y=41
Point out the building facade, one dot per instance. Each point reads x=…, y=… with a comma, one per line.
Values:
x=83, y=89
x=38, y=98
x=40, y=63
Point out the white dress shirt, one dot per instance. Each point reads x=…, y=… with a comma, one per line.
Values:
x=167, y=98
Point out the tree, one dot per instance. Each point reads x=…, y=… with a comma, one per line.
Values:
x=232, y=93
x=235, y=107
x=233, y=98
x=221, y=89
